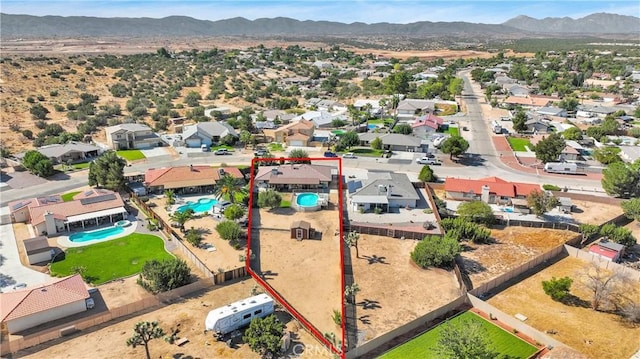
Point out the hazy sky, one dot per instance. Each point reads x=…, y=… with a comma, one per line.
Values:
x=347, y=11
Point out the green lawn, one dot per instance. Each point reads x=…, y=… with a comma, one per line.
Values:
x=81, y=166
x=112, y=259
x=504, y=342
x=69, y=196
x=223, y=147
x=519, y=144
x=285, y=204
x=453, y=131
x=365, y=152
x=131, y=155
x=276, y=147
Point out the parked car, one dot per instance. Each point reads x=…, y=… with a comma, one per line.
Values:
x=330, y=154
x=260, y=153
x=222, y=151
x=428, y=161
x=349, y=155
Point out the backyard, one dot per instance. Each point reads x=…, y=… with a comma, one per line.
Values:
x=519, y=144
x=387, y=122
x=597, y=334
x=112, y=259
x=382, y=272
x=131, y=155
x=502, y=341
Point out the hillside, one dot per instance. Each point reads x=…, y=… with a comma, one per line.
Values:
x=27, y=26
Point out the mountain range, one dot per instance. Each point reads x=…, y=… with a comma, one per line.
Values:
x=27, y=26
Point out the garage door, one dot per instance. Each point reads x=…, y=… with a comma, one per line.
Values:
x=193, y=142
x=143, y=146
x=296, y=143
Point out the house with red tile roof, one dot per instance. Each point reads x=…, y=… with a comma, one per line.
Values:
x=50, y=215
x=28, y=308
x=491, y=190
x=187, y=179
x=295, y=176
x=426, y=124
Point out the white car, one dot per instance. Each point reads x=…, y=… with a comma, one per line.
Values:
x=349, y=155
x=428, y=161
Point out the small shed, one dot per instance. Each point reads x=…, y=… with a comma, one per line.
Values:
x=38, y=250
x=301, y=230
x=566, y=205
x=608, y=250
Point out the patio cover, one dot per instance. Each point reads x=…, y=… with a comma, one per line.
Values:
x=370, y=199
x=92, y=215
x=519, y=201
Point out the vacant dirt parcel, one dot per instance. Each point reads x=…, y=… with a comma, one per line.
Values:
x=306, y=273
x=393, y=290
x=597, y=334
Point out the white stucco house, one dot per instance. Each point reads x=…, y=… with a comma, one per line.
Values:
x=384, y=190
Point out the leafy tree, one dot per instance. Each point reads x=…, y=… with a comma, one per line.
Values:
x=182, y=217
x=572, y=133
x=519, y=121
x=607, y=155
x=28, y=134
x=38, y=112
x=234, y=212
x=37, y=163
x=403, y=128
x=397, y=83
x=622, y=180
x=636, y=113
x=426, y=175
x=301, y=155
x=557, y=289
x=588, y=231
x=143, y=333
x=192, y=99
x=376, y=144
x=569, y=103
x=338, y=123
x=229, y=187
x=462, y=230
x=434, y=251
x=229, y=140
x=549, y=148
x=476, y=211
x=455, y=146
x=170, y=197
x=465, y=339
x=107, y=171
x=269, y=199
x=264, y=335
x=541, y=202
x=631, y=208
x=229, y=231
x=351, y=240
x=193, y=236
x=350, y=139
x=161, y=276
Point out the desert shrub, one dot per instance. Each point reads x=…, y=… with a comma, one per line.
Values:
x=434, y=251
x=557, y=289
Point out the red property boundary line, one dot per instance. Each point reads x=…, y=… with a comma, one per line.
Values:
x=314, y=331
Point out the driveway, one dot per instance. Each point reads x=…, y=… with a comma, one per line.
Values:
x=156, y=152
x=11, y=269
x=21, y=179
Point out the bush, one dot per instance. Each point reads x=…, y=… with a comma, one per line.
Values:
x=434, y=251
x=460, y=229
x=160, y=276
x=551, y=187
x=557, y=289
x=377, y=210
x=193, y=237
x=477, y=212
x=269, y=199
x=229, y=231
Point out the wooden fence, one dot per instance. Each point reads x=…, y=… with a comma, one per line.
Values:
x=387, y=231
x=113, y=314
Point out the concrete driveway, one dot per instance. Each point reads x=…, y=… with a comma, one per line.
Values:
x=11, y=269
x=156, y=152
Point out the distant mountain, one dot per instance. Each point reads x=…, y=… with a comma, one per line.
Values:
x=600, y=23
x=27, y=26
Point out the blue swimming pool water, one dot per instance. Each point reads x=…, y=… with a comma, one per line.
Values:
x=507, y=209
x=202, y=205
x=372, y=127
x=307, y=199
x=95, y=235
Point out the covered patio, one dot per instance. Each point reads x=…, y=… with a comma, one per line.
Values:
x=95, y=218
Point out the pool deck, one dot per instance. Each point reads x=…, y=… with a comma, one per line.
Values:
x=65, y=242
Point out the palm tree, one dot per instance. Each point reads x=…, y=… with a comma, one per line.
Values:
x=230, y=186
x=182, y=217
x=170, y=197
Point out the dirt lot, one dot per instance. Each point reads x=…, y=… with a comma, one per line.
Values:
x=598, y=334
x=389, y=281
x=513, y=246
x=595, y=213
x=306, y=273
x=187, y=315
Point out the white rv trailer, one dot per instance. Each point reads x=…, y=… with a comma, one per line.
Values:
x=496, y=127
x=236, y=315
x=561, y=167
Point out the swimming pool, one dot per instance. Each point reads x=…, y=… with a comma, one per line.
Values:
x=96, y=235
x=202, y=205
x=507, y=209
x=307, y=199
x=372, y=127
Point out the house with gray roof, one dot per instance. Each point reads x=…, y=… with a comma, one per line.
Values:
x=319, y=118
x=130, y=136
x=205, y=133
x=384, y=190
x=71, y=151
x=295, y=176
x=395, y=141
x=552, y=111
x=409, y=108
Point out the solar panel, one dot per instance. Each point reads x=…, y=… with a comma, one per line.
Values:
x=19, y=205
x=88, y=193
x=98, y=199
